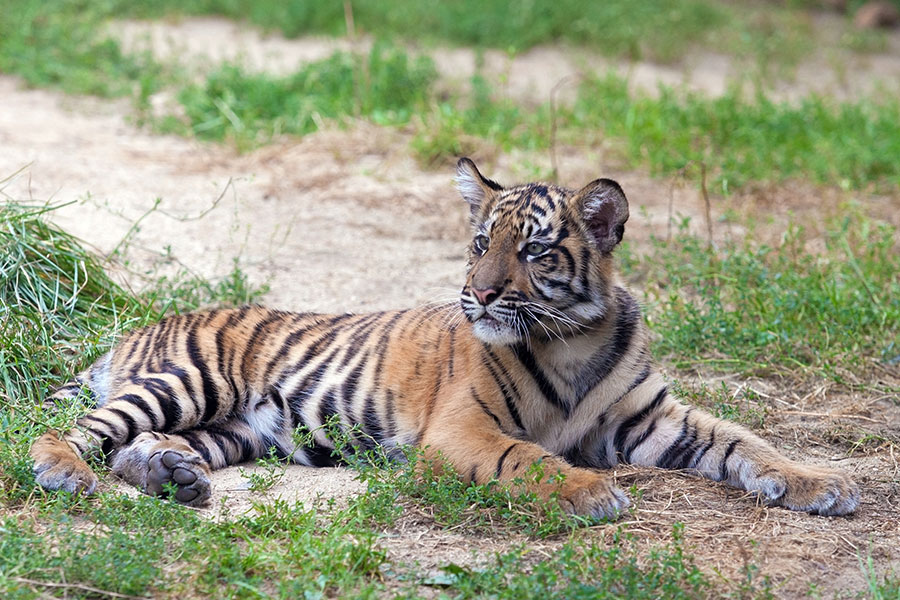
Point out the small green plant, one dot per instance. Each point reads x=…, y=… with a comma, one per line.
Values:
x=740, y=406
x=883, y=587
x=272, y=472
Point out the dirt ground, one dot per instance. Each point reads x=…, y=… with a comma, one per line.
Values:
x=346, y=220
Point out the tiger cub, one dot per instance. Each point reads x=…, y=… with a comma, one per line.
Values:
x=551, y=363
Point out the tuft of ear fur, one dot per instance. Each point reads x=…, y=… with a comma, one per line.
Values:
x=472, y=185
x=605, y=210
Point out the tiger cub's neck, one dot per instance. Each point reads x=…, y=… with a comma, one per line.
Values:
x=568, y=368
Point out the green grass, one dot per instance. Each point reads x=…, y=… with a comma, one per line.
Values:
x=458, y=127
x=771, y=38
x=631, y=28
x=853, y=145
x=588, y=571
x=251, y=108
x=60, y=44
x=885, y=586
x=59, y=309
x=739, y=139
x=761, y=309
x=153, y=548
x=739, y=406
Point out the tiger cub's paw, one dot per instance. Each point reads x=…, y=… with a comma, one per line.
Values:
x=57, y=467
x=592, y=494
x=816, y=490
x=185, y=469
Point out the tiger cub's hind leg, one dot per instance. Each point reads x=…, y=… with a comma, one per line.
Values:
x=156, y=463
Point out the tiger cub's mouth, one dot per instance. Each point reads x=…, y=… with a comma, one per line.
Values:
x=493, y=330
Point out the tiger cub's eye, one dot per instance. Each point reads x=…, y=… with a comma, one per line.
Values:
x=482, y=243
x=534, y=248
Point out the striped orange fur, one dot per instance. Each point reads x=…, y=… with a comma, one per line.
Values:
x=545, y=358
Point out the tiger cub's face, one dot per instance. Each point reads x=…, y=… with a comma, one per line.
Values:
x=539, y=261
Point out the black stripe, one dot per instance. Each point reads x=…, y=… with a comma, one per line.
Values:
x=507, y=386
x=698, y=456
x=133, y=340
x=641, y=378
x=286, y=346
x=112, y=430
x=333, y=327
x=143, y=406
x=320, y=456
x=210, y=392
x=502, y=460
x=679, y=452
x=351, y=382
x=172, y=369
x=168, y=401
x=723, y=468
x=245, y=447
x=193, y=440
x=160, y=347
x=250, y=351
x=640, y=440
x=602, y=363
x=451, y=350
x=550, y=394
x=223, y=363
x=358, y=335
x=584, y=268
x=371, y=423
x=298, y=396
x=300, y=393
x=140, y=350
x=328, y=406
x=485, y=408
x=391, y=426
x=629, y=424
x=382, y=346
x=131, y=428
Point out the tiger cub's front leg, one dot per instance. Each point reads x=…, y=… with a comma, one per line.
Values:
x=478, y=449
x=660, y=431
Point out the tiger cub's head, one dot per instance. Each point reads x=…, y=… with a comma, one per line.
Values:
x=540, y=258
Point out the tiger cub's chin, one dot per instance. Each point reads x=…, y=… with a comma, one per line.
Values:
x=494, y=333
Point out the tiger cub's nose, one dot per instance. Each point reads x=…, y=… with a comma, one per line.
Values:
x=486, y=296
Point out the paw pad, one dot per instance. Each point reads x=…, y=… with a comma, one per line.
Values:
x=183, y=470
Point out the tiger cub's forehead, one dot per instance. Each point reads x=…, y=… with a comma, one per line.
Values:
x=533, y=209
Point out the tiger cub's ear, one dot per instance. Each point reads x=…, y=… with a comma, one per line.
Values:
x=472, y=185
x=605, y=210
